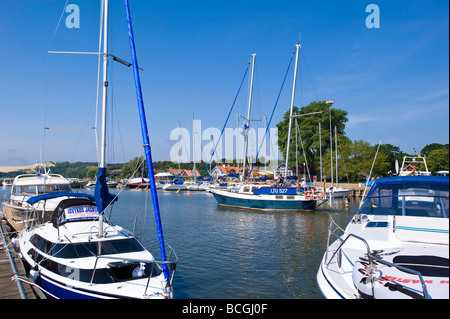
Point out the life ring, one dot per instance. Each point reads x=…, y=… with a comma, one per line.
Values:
x=319, y=194
x=309, y=194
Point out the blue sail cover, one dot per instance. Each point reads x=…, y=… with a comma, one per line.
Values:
x=101, y=194
x=33, y=200
x=146, y=142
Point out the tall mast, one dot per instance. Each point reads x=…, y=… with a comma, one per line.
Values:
x=330, y=103
x=248, y=117
x=320, y=152
x=102, y=164
x=146, y=144
x=336, y=153
x=292, y=107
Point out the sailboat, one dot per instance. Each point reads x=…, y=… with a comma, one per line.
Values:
x=336, y=191
x=79, y=253
x=266, y=197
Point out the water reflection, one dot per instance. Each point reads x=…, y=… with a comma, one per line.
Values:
x=234, y=253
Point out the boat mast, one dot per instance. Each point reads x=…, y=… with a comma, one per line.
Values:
x=248, y=118
x=336, y=153
x=102, y=163
x=330, y=103
x=146, y=144
x=292, y=107
x=320, y=152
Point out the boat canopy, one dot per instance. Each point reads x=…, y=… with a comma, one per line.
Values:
x=421, y=196
x=35, y=199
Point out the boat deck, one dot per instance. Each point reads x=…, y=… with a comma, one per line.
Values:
x=11, y=289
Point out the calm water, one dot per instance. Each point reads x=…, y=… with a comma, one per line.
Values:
x=233, y=253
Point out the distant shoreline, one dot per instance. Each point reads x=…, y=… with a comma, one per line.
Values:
x=10, y=168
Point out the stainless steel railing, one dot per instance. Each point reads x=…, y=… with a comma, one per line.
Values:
x=170, y=263
x=370, y=256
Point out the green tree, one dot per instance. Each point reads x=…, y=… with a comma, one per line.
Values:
x=136, y=167
x=431, y=147
x=92, y=172
x=438, y=160
x=308, y=132
x=392, y=153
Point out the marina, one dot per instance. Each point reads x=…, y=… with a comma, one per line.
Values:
x=231, y=253
x=292, y=201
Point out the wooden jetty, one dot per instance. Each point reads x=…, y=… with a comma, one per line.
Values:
x=10, y=266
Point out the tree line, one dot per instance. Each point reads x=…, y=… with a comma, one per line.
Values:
x=308, y=142
x=355, y=158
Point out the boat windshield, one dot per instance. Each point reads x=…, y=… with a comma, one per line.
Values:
x=33, y=190
x=408, y=199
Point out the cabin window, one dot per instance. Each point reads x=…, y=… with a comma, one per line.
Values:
x=43, y=189
x=80, y=250
x=25, y=190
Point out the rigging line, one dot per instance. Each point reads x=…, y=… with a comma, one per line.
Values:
x=303, y=149
x=232, y=106
x=273, y=111
x=309, y=74
x=57, y=26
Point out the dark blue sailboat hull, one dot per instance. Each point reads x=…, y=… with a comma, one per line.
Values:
x=258, y=203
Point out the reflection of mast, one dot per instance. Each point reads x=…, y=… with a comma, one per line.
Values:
x=193, y=149
x=247, y=128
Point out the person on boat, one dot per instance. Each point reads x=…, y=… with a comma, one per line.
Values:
x=280, y=181
x=303, y=183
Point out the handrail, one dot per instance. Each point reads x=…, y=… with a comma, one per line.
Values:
x=152, y=261
x=371, y=258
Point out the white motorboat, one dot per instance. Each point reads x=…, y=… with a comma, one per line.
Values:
x=7, y=182
x=29, y=185
x=338, y=192
x=138, y=182
x=395, y=247
x=175, y=185
x=67, y=259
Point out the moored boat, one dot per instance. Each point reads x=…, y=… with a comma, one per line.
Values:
x=67, y=258
x=138, y=182
x=264, y=197
x=79, y=253
x=175, y=185
x=395, y=246
x=28, y=185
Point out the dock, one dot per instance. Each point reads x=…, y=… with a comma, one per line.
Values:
x=11, y=267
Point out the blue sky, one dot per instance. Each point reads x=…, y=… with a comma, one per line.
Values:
x=393, y=81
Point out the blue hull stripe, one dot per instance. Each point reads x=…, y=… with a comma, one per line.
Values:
x=430, y=230
x=275, y=204
x=62, y=292
x=329, y=283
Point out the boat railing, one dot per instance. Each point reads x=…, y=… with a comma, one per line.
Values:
x=371, y=258
x=170, y=263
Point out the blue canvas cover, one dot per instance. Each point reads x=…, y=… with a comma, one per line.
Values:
x=102, y=196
